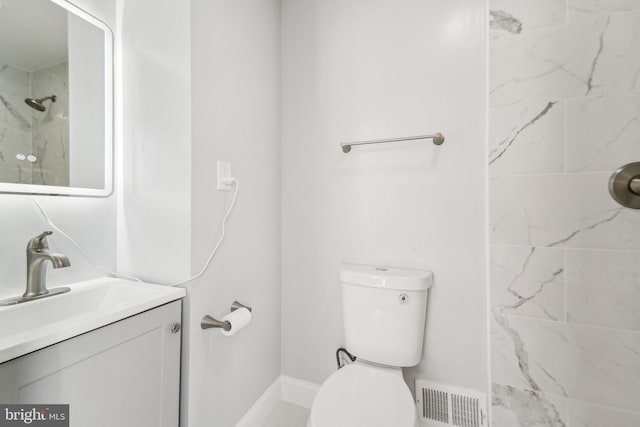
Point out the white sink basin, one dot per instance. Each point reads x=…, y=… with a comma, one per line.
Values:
x=89, y=305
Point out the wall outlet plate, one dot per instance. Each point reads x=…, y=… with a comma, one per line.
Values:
x=224, y=172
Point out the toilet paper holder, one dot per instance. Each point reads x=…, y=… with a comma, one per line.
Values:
x=209, y=322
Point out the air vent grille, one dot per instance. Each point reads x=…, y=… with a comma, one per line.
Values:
x=435, y=405
x=464, y=411
x=445, y=405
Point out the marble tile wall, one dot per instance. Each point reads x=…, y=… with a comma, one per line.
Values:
x=51, y=128
x=15, y=124
x=26, y=131
x=565, y=258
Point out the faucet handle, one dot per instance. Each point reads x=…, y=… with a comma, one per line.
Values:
x=40, y=241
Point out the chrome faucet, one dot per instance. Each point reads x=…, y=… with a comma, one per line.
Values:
x=37, y=255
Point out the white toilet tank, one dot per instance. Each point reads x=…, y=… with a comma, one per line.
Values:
x=384, y=311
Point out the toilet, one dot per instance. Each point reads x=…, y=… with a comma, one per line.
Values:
x=384, y=313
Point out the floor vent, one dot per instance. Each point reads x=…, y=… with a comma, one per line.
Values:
x=445, y=405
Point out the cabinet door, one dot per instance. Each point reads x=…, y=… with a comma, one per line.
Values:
x=124, y=374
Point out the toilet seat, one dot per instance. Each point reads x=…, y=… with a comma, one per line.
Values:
x=362, y=395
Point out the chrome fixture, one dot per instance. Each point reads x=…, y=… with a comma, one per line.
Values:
x=37, y=256
x=624, y=185
x=438, y=139
x=209, y=322
x=38, y=103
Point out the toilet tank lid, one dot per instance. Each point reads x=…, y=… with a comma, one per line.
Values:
x=386, y=277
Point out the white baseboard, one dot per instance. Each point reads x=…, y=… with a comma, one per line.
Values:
x=264, y=406
x=287, y=389
x=298, y=392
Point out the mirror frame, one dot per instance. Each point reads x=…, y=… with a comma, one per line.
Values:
x=109, y=143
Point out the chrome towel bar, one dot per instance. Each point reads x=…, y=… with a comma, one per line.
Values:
x=438, y=139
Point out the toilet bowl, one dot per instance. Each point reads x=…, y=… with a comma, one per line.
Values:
x=364, y=395
x=384, y=312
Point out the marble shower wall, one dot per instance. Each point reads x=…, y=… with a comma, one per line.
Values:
x=565, y=258
x=26, y=131
x=51, y=128
x=15, y=124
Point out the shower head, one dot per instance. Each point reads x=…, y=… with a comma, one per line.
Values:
x=38, y=103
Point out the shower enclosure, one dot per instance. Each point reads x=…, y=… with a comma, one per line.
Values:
x=565, y=257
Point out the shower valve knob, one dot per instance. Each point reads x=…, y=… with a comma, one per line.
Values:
x=624, y=185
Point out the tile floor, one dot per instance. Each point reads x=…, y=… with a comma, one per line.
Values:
x=287, y=415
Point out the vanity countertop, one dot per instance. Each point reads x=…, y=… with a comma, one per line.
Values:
x=89, y=305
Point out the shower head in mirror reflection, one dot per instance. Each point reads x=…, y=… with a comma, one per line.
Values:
x=38, y=104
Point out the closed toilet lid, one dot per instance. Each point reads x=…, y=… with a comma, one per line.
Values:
x=363, y=396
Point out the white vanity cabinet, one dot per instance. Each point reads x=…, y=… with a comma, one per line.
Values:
x=125, y=374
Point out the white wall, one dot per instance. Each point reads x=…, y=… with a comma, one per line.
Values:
x=154, y=221
x=362, y=69
x=91, y=221
x=154, y=160
x=211, y=69
x=235, y=111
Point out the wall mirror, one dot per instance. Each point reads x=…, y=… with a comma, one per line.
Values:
x=56, y=100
